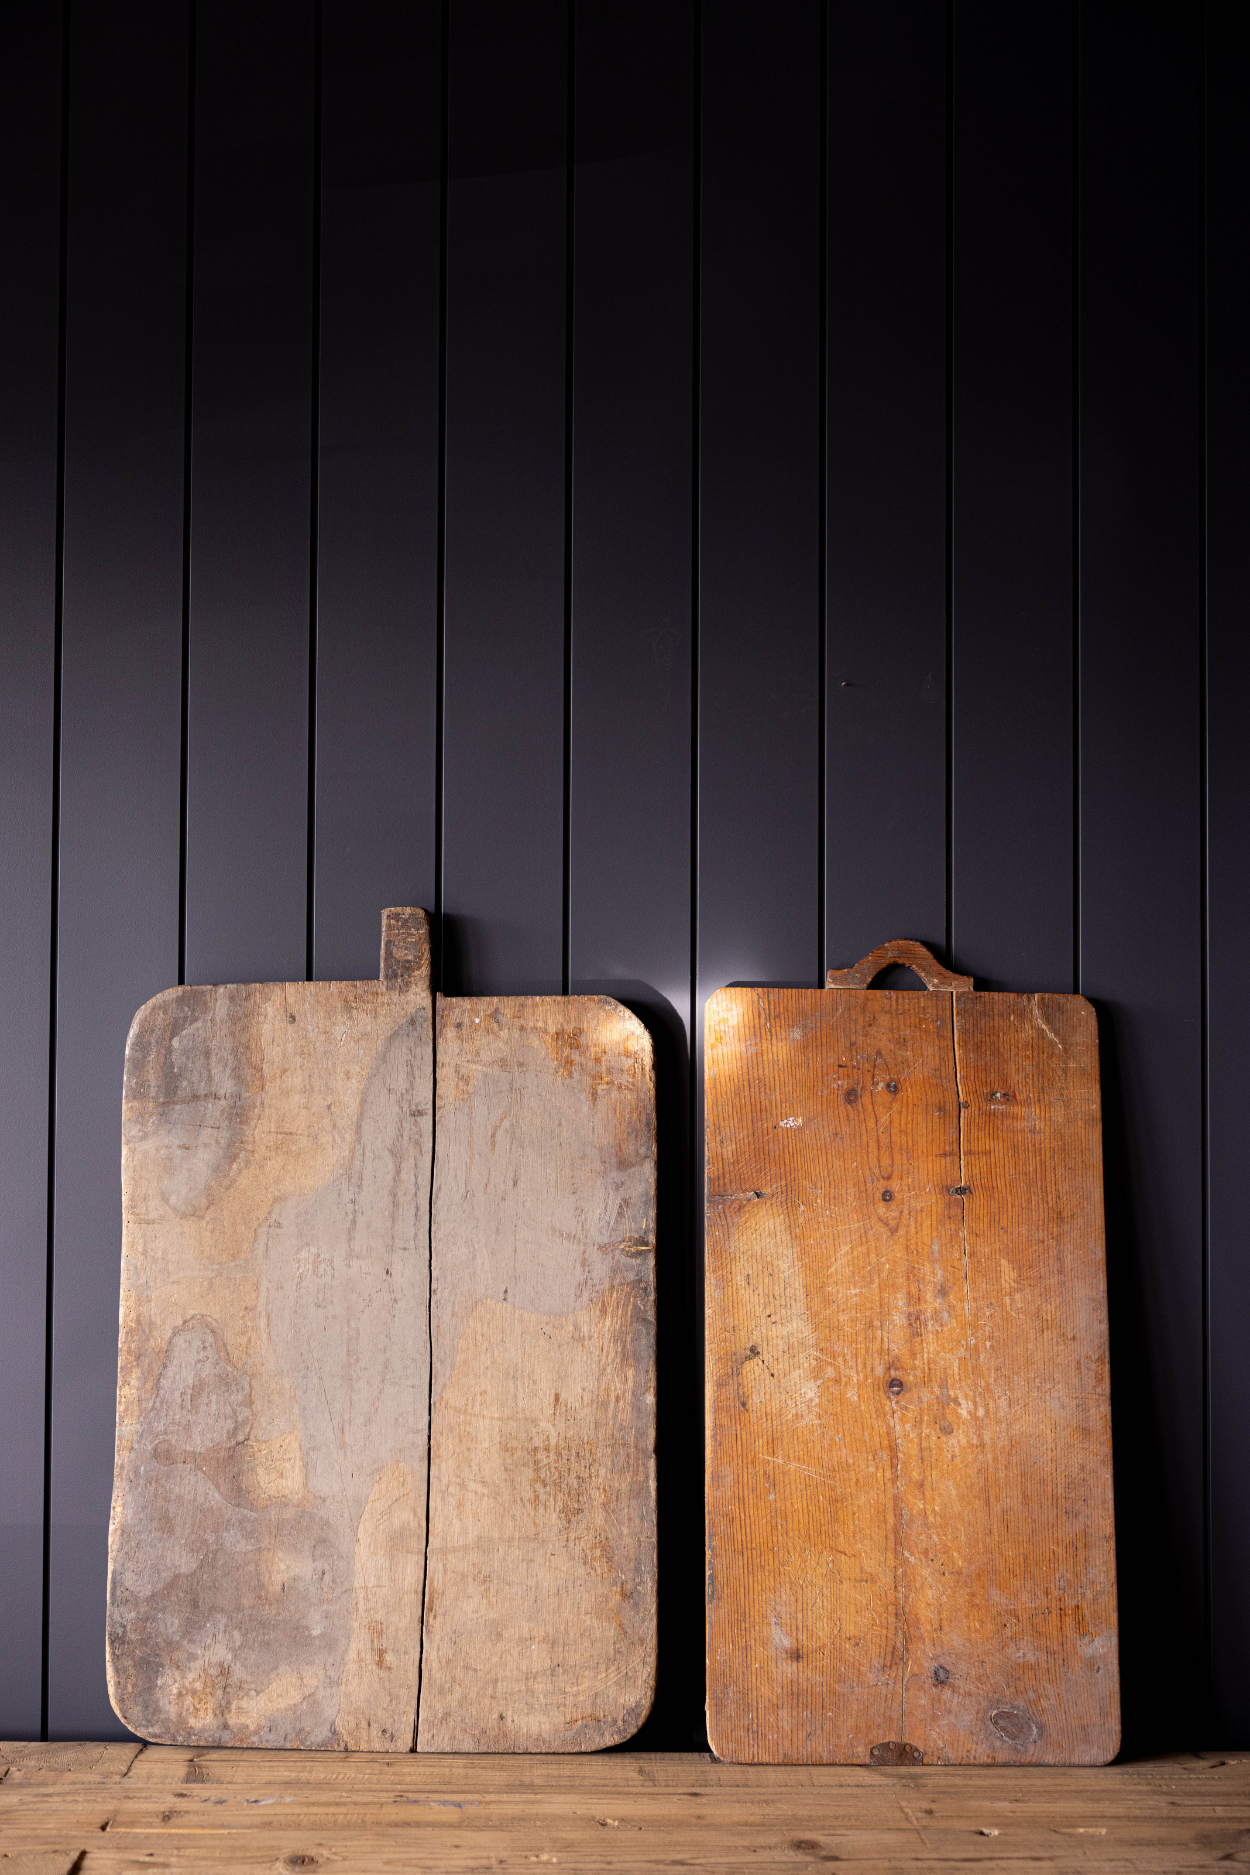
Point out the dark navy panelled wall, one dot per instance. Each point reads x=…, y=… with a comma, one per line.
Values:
x=685, y=493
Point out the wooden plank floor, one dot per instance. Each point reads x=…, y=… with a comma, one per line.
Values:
x=95, y=1808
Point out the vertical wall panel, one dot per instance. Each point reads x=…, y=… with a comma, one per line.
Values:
x=503, y=767
x=30, y=239
x=886, y=454
x=377, y=527
x=632, y=492
x=1141, y=962
x=1228, y=811
x=247, y=741
x=759, y=526
x=629, y=894
x=1012, y=521
x=121, y=744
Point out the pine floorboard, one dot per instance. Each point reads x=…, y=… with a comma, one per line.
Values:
x=84, y=1809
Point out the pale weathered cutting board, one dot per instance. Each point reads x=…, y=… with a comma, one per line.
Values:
x=909, y=1505
x=267, y=1540
x=268, y=1547
x=540, y=1606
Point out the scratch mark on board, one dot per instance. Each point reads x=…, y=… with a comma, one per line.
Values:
x=1044, y=1026
x=791, y=1466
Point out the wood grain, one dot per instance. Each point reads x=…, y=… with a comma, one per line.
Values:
x=268, y=1525
x=540, y=1596
x=907, y=951
x=176, y=1808
x=910, y=1533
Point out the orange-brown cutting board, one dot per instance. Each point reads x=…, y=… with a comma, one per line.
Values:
x=909, y=1496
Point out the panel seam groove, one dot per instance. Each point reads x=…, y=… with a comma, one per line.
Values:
x=570, y=201
x=950, y=482
x=314, y=490
x=822, y=482
x=440, y=572
x=188, y=396
x=54, y=881
x=697, y=1173
x=1076, y=498
x=1204, y=884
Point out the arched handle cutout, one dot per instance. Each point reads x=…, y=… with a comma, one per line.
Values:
x=907, y=951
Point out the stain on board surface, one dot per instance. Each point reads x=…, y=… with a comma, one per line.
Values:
x=268, y=1530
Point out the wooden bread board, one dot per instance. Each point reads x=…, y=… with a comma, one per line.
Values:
x=909, y=1495
x=272, y=1579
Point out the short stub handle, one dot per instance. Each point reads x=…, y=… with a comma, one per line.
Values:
x=405, y=948
x=907, y=951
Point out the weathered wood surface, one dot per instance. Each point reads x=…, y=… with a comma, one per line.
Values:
x=176, y=1808
x=268, y=1544
x=268, y=1529
x=540, y=1596
x=906, y=951
x=910, y=1534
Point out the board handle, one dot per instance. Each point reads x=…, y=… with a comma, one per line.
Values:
x=405, y=948
x=907, y=951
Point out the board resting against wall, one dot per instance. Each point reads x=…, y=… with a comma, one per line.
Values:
x=268, y=1542
x=910, y=1531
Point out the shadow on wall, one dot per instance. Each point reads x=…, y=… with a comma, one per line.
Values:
x=467, y=951
x=1164, y=1698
